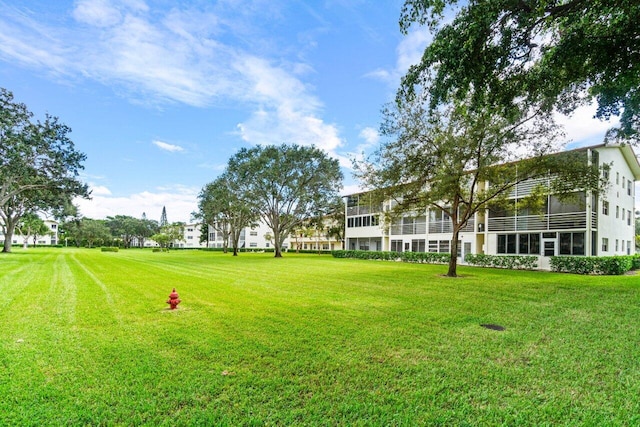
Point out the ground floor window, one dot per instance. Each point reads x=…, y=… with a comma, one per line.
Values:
x=605, y=244
x=396, y=245
x=571, y=243
x=506, y=244
x=433, y=246
x=418, y=245
x=529, y=244
x=524, y=243
x=443, y=246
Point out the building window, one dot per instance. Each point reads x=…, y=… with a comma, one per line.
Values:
x=623, y=181
x=605, y=172
x=617, y=177
x=628, y=217
x=571, y=243
x=53, y=226
x=506, y=243
x=617, y=211
x=529, y=244
x=433, y=246
x=189, y=230
x=189, y=237
x=253, y=245
x=623, y=214
x=605, y=207
x=628, y=247
x=396, y=246
x=629, y=187
x=616, y=245
x=605, y=244
x=443, y=246
x=253, y=233
x=418, y=245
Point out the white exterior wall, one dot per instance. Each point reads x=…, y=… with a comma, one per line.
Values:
x=612, y=226
x=47, y=240
x=254, y=237
x=191, y=237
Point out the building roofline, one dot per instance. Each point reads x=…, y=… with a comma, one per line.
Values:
x=626, y=150
x=631, y=158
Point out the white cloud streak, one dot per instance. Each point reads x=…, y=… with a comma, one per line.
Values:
x=167, y=147
x=179, y=201
x=180, y=56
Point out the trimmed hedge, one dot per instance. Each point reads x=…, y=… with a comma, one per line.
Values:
x=606, y=265
x=414, y=257
x=512, y=262
x=109, y=249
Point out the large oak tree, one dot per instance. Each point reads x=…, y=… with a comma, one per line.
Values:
x=39, y=165
x=285, y=185
x=221, y=206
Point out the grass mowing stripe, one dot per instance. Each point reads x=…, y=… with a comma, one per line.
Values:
x=311, y=340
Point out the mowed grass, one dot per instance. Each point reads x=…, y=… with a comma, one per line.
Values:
x=87, y=338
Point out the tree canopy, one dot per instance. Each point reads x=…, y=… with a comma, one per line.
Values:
x=39, y=165
x=458, y=161
x=511, y=54
x=221, y=206
x=285, y=185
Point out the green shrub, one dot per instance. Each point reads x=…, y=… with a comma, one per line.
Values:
x=511, y=262
x=109, y=249
x=414, y=257
x=606, y=265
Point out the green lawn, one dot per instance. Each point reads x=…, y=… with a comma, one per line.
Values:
x=306, y=339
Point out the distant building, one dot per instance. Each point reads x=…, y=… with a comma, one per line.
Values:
x=46, y=240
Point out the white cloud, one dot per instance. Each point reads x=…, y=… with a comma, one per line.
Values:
x=287, y=111
x=370, y=135
x=181, y=56
x=180, y=203
x=167, y=147
x=99, y=190
x=581, y=128
x=409, y=52
x=96, y=12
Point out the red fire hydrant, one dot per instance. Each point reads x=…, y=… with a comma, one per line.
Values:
x=173, y=300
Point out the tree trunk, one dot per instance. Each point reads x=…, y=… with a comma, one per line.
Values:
x=277, y=244
x=453, y=261
x=10, y=225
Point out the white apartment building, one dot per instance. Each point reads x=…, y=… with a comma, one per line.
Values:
x=596, y=226
x=258, y=237
x=51, y=238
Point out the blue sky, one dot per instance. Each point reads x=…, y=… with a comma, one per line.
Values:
x=160, y=94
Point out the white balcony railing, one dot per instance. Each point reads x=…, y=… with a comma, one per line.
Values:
x=564, y=221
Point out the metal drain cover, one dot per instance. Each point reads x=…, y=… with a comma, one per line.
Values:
x=493, y=327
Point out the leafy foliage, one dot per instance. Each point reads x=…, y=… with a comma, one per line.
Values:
x=511, y=262
x=285, y=185
x=413, y=257
x=459, y=161
x=221, y=205
x=551, y=53
x=609, y=265
x=39, y=165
